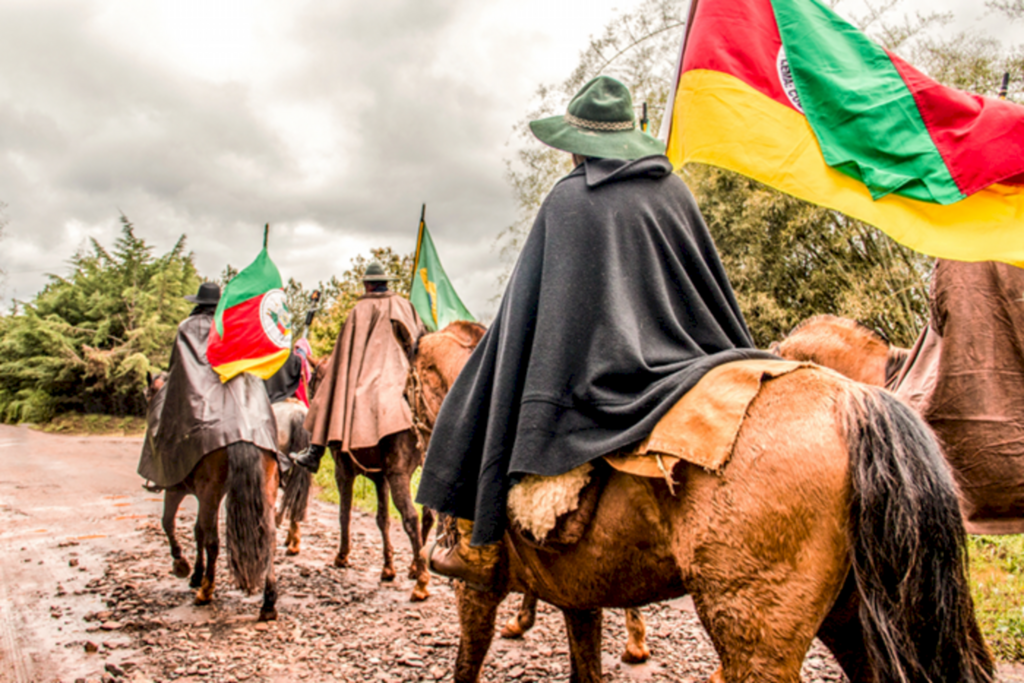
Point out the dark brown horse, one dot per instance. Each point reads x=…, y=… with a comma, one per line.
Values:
x=390, y=466
x=439, y=359
x=836, y=517
x=248, y=476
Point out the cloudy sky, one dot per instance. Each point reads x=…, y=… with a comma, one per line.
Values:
x=332, y=121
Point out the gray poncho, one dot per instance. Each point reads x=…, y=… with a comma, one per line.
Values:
x=617, y=306
x=194, y=413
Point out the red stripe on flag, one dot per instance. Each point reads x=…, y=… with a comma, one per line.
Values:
x=981, y=139
x=244, y=335
x=739, y=38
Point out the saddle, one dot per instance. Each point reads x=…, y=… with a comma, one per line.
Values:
x=701, y=428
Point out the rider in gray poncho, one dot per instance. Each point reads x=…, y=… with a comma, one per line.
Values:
x=617, y=306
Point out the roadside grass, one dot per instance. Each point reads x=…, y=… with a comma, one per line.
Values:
x=364, y=493
x=997, y=569
x=997, y=584
x=77, y=424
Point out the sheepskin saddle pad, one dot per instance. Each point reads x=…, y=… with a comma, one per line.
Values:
x=556, y=510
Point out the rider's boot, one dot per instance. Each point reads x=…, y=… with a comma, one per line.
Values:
x=476, y=565
x=309, y=459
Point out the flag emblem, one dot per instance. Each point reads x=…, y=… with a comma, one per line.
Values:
x=276, y=318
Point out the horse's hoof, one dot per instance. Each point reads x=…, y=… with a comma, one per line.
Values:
x=181, y=568
x=635, y=656
x=341, y=562
x=512, y=630
x=268, y=615
x=419, y=594
x=201, y=600
x=387, y=575
x=291, y=552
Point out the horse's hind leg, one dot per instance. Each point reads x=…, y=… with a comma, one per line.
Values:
x=843, y=635
x=636, y=638
x=403, y=458
x=345, y=478
x=387, y=573
x=523, y=621
x=200, y=566
x=294, y=539
x=584, y=629
x=172, y=500
x=210, y=496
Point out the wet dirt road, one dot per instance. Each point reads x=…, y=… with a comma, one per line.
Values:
x=86, y=595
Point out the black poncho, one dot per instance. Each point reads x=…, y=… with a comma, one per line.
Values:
x=617, y=306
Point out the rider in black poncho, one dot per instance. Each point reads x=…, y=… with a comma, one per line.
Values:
x=617, y=306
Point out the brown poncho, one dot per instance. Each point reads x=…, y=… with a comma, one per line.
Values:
x=966, y=378
x=360, y=400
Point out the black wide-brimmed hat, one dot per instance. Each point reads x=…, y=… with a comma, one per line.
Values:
x=375, y=273
x=209, y=293
x=599, y=123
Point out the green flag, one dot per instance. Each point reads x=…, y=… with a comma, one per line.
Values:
x=432, y=293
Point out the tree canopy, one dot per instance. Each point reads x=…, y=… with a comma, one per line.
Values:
x=86, y=341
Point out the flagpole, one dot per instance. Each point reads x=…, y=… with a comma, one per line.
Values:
x=266, y=234
x=670, y=104
x=1004, y=89
x=419, y=243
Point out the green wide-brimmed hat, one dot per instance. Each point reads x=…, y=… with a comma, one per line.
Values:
x=375, y=273
x=600, y=122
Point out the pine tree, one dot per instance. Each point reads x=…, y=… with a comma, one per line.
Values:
x=87, y=340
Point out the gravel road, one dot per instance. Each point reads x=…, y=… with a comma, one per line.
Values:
x=86, y=595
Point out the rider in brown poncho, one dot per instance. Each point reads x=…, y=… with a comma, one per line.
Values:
x=617, y=306
x=361, y=398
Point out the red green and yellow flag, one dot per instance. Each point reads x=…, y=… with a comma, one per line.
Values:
x=251, y=329
x=790, y=94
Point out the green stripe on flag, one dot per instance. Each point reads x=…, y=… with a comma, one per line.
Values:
x=432, y=293
x=258, y=277
x=866, y=120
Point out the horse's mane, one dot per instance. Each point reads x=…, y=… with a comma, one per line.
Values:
x=834, y=320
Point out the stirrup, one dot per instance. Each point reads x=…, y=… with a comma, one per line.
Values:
x=152, y=488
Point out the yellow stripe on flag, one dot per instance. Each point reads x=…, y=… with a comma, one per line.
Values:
x=720, y=120
x=263, y=367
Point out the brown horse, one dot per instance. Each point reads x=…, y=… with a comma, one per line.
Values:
x=836, y=517
x=439, y=359
x=397, y=456
x=847, y=346
x=390, y=466
x=249, y=477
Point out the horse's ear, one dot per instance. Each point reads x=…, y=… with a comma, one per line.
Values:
x=149, y=378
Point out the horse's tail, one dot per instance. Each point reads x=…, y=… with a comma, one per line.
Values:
x=250, y=520
x=297, y=483
x=909, y=549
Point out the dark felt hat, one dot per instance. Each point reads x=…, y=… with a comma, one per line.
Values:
x=209, y=293
x=600, y=122
x=375, y=273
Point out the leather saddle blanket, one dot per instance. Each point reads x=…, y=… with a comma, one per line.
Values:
x=701, y=428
